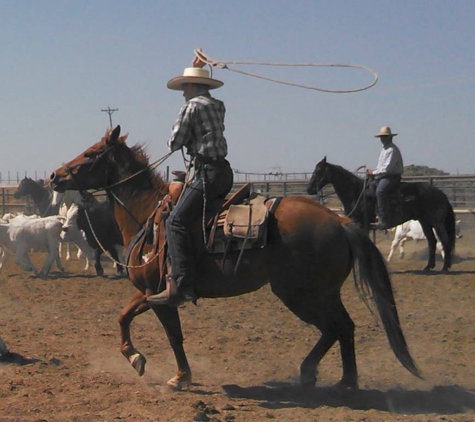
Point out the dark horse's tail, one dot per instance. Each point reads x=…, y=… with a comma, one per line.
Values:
x=372, y=278
x=449, y=224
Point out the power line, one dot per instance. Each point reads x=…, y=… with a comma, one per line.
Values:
x=109, y=111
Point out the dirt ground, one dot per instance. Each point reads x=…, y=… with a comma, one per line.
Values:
x=245, y=352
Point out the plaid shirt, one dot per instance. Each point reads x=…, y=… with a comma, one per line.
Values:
x=200, y=128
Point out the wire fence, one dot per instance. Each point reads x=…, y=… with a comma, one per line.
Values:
x=15, y=177
x=460, y=190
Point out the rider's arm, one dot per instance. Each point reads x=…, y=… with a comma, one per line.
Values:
x=384, y=162
x=181, y=130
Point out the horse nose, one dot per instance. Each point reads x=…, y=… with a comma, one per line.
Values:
x=52, y=177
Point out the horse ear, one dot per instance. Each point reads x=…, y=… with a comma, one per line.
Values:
x=114, y=136
x=324, y=159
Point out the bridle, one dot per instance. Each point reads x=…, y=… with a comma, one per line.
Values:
x=108, y=188
x=360, y=196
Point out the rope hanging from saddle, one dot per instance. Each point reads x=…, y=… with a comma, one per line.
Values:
x=225, y=65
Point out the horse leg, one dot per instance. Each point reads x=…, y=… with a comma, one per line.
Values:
x=170, y=319
x=335, y=324
x=119, y=270
x=446, y=248
x=97, y=264
x=431, y=241
x=134, y=308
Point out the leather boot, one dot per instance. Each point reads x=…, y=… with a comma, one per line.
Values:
x=172, y=295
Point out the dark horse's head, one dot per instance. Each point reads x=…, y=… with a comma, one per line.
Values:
x=28, y=187
x=319, y=177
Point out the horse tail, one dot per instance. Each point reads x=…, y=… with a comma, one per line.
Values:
x=449, y=224
x=372, y=279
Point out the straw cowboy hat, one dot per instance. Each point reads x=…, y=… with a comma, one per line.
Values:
x=385, y=131
x=193, y=75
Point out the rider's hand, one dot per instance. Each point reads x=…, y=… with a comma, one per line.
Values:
x=197, y=62
x=369, y=172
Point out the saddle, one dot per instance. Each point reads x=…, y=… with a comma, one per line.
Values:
x=238, y=224
x=394, y=202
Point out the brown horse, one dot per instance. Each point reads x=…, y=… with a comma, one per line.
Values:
x=310, y=252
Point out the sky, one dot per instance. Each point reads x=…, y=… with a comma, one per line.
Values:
x=63, y=62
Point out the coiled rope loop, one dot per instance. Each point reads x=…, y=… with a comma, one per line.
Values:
x=225, y=65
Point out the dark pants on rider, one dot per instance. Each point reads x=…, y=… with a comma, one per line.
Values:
x=213, y=180
x=386, y=185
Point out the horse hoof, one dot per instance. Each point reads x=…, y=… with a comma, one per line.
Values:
x=308, y=381
x=99, y=270
x=138, y=363
x=178, y=383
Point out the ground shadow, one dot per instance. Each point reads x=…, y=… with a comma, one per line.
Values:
x=441, y=400
x=12, y=358
x=432, y=273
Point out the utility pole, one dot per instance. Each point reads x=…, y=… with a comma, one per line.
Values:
x=109, y=111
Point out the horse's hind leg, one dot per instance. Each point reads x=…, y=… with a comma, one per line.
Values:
x=446, y=248
x=431, y=242
x=334, y=324
x=136, y=306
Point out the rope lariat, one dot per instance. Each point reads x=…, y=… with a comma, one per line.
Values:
x=225, y=65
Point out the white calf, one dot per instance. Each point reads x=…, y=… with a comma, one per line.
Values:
x=72, y=233
x=412, y=230
x=24, y=233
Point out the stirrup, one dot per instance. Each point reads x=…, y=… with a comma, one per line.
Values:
x=170, y=294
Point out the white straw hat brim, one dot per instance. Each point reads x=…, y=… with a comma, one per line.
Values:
x=177, y=83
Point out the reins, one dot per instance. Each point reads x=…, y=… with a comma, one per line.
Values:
x=225, y=65
x=359, y=197
x=109, y=189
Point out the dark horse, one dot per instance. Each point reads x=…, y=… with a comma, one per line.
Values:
x=310, y=252
x=421, y=201
x=40, y=195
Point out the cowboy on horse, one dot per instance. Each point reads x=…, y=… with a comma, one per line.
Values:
x=387, y=174
x=200, y=129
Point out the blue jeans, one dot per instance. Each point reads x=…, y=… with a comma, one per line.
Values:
x=386, y=185
x=213, y=181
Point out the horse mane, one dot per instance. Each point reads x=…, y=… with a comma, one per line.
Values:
x=142, y=158
x=346, y=173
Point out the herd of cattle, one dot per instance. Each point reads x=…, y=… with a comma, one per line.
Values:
x=92, y=228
